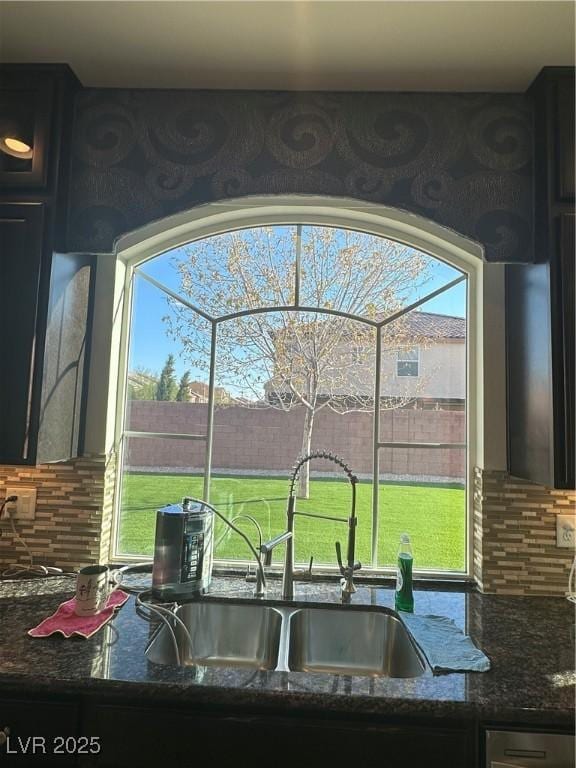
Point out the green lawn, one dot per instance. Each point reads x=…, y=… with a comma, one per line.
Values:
x=433, y=515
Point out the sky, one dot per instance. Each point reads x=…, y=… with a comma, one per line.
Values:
x=150, y=343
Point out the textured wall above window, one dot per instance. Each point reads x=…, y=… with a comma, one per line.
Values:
x=463, y=160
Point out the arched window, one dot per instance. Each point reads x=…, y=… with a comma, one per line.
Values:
x=246, y=349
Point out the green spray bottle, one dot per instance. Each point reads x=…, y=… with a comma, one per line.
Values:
x=404, y=599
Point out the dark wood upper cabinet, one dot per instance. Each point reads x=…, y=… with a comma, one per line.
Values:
x=45, y=294
x=564, y=156
x=540, y=301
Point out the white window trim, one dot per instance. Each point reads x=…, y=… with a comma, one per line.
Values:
x=107, y=387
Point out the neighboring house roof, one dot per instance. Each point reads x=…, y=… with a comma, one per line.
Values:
x=198, y=388
x=431, y=324
x=201, y=389
x=425, y=324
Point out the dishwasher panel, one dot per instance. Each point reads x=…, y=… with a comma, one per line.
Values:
x=518, y=749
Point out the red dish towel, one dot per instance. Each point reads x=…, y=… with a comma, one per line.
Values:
x=68, y=623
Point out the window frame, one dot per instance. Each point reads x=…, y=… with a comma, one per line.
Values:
x=417, y=232
x=400, y=360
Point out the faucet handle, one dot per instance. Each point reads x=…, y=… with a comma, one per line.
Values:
x=305, y=574
x=344, y=569
x=250, y=577
x=339, y=556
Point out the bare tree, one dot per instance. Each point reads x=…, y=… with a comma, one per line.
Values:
x=290, y=357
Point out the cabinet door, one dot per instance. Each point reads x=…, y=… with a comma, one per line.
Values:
x=565, y=147
x=148, y=737
x=43, y=733
x=563, y=341
x=21, y=238
x=540, y=301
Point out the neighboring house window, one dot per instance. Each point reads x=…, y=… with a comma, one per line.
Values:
x=247, y=349
x=408, y=363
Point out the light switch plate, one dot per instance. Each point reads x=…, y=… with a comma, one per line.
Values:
x=25, y=507
x=565, y=530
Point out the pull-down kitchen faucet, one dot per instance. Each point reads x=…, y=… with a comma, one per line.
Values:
x=347, y=571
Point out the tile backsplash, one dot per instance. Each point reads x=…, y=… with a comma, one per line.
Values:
x=515, y=548
x=67, y=528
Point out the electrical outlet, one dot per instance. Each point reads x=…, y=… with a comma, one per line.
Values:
x=565, y=530
x=25, y=507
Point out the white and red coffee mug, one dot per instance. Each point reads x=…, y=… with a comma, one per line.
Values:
x=93, y=587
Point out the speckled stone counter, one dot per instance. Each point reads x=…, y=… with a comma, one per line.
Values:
x=530, y=642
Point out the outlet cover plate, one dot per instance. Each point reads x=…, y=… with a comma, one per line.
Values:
x=25, y=507
x=565, y=531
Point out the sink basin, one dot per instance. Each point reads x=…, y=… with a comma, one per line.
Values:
x=351, y=643
x=223, y=634
x=334, y=640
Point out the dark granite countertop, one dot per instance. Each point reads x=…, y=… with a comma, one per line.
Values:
x=530, y=642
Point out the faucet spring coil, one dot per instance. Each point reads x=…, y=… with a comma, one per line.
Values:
x=320, y=455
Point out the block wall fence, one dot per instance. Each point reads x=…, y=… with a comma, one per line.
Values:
x=268, y=440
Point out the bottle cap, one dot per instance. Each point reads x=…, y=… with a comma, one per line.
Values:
x=405, y=539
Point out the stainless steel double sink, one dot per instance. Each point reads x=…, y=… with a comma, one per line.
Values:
x=328, y=639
